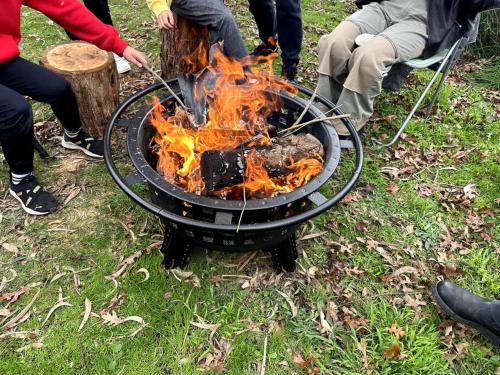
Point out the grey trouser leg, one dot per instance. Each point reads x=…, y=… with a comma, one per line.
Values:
x=361, y=70
x=218, y=18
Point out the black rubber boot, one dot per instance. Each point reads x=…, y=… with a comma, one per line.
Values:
x=467, y=308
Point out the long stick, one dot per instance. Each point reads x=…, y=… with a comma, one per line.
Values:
x=306, y=108
x=286, y=132
x=181, y=103
x=244, y=194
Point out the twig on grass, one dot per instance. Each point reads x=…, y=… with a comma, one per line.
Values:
x=264, y=358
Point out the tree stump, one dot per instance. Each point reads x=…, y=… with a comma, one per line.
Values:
x=93, y=77
x=181, y=42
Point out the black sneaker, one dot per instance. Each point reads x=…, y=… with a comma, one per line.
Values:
x=266, y=48
x=85, y=143
x=289, y=71
x=33, y=198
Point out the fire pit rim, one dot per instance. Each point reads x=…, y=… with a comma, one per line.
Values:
x=151, y=175
x=127, y=188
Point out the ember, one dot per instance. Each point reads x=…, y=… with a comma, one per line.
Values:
x=227, y=146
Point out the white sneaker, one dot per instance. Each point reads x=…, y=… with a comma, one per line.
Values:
x=122, y=65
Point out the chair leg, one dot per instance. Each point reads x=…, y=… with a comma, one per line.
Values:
x=454, y=57
x=41, y=151
x=442, y=66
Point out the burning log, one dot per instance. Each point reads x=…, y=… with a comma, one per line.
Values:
x=93, y=77
x=220, y=169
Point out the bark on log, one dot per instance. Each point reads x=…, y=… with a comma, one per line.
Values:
x=180, y=42
x=93, y=77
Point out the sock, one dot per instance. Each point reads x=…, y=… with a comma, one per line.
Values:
x=17, y=178
x=71, y=134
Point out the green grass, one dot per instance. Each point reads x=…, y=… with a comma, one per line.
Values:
x=339, y=273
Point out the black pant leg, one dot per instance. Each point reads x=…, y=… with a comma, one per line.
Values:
x=16, y=131
x=289, y=25
x=100, y=9
x=44, y=86
x=265, y=16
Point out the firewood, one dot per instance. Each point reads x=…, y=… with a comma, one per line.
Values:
x=220, y=169
x=178, y=43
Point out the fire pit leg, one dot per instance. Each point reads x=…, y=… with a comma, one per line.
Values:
x=176, y=251
x=285, y=254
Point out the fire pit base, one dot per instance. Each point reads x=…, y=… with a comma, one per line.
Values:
x=177, y=250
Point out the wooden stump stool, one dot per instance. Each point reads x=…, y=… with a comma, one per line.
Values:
x=93, y=77
x=179, y=43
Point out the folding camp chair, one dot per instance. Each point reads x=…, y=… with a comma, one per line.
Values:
x=441, y=62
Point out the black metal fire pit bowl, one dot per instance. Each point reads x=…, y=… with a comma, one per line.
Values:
x=190, y=220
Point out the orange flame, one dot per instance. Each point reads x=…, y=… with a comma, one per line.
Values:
x=239, y=102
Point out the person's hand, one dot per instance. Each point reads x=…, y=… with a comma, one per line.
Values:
x=135, y=57
x=166, y=20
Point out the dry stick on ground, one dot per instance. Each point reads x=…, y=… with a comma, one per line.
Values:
x=292, y=129
x=264, y=358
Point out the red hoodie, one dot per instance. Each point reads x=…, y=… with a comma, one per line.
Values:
x=70, y=14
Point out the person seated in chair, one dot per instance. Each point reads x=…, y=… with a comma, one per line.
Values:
x=211, y=13
x=20, y=78
x=358, y=54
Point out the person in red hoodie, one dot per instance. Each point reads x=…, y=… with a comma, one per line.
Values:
x=20, y=78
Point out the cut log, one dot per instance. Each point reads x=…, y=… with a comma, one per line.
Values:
x=226, y=168
x=93, y=77
x=180, y=43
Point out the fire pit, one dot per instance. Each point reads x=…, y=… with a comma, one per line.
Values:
x=223, y=224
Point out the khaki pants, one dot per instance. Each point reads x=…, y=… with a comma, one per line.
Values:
x=352, y=77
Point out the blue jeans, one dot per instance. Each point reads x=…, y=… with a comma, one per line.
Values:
x=219, y=20
x=283, y=23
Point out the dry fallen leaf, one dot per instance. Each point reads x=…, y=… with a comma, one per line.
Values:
x=36, y=345
x=393, y=352
x=366, y=362
x=10, y=248
x=54, y=308
x=311, y=236
x=397, y=330
x=145, y=272
x=19, y=317
x=290, y=302
x=86, y=314
x=352, y=197
x=13, y=296
x=393, y=188
x=113, y=319
x=186, y=276
x=300, y=361
x=4, y=312
x=58, y=276
x=324, y=326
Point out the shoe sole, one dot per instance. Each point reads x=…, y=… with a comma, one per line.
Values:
x=484, y=331
x=27, y=209
x=72, y=146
